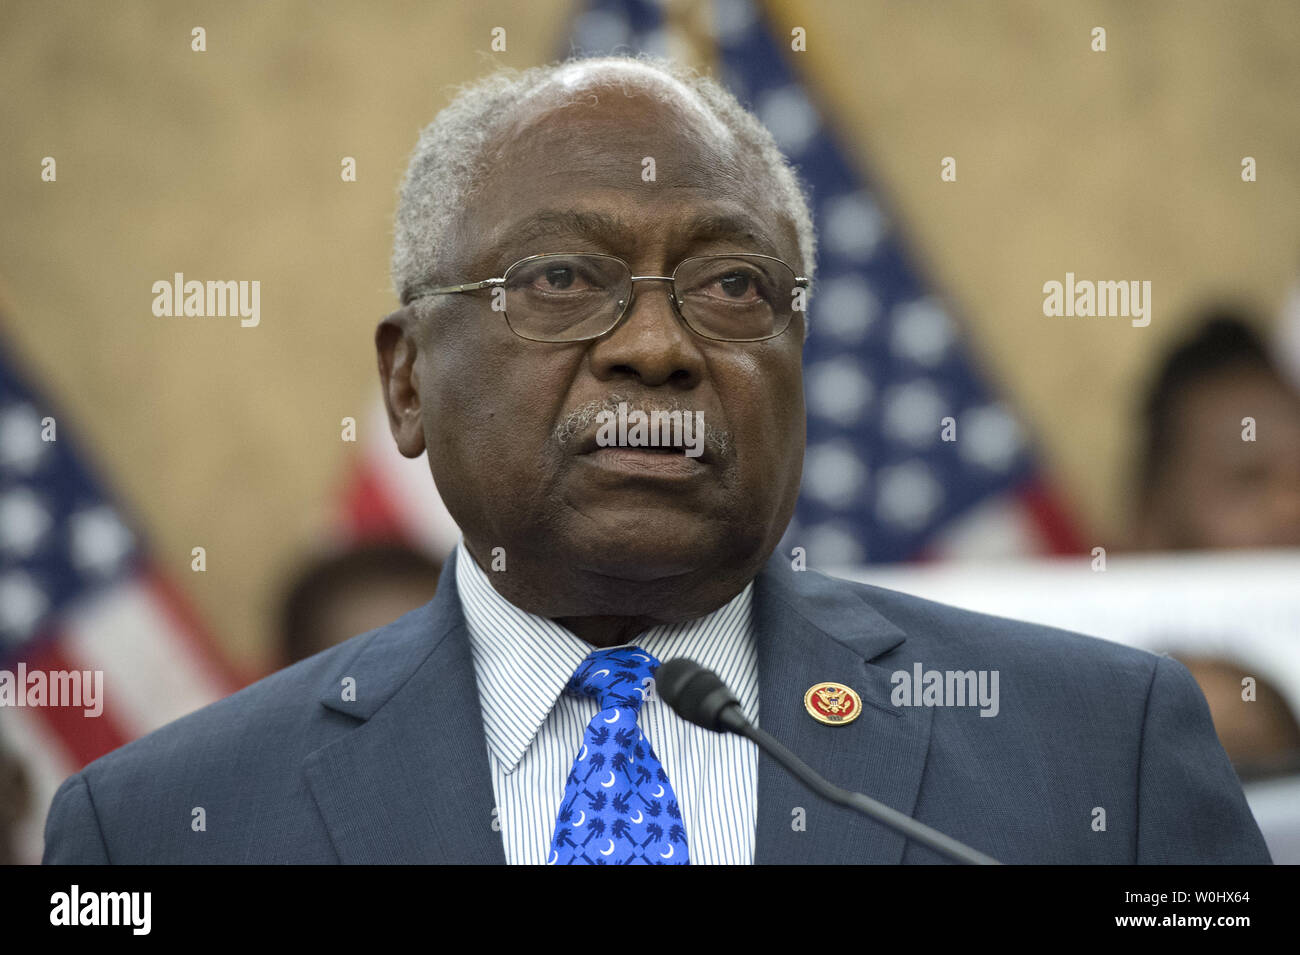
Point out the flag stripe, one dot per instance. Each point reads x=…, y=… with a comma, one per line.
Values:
x=151, y=675
x=83, y=738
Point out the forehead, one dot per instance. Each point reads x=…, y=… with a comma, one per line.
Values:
x=1212, y=411
x=625, y=164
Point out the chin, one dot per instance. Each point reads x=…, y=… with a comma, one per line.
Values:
x=661, y=550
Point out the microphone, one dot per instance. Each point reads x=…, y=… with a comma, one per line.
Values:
x=699, y=696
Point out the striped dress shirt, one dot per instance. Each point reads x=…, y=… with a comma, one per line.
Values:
x=522, y=662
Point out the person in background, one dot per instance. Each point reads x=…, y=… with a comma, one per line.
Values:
x=15, y=802
x=1262, y=737
x=1205, y=481
x=1208, y=480
x=351, y=592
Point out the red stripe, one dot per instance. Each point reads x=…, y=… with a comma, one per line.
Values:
x=1058, y=528
x=86, y=738
x=368, y=509
x=203, y=647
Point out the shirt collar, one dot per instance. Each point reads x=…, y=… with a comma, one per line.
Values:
x=524, y=660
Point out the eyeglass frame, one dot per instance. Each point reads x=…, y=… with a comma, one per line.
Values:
x=800, y=281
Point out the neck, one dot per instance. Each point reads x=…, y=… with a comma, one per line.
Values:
x=592, y=612
x=603, y=632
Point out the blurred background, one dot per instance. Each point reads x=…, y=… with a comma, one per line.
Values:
x=188, y=504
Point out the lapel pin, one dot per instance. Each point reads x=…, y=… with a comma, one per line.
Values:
x=832, y=703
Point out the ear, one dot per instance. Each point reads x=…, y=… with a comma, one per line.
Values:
x=397, y=349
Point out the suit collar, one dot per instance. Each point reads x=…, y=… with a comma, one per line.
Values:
x=529, y=656
x=814, y=629
x=411, y=782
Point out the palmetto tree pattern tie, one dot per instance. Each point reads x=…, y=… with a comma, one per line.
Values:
x=618, y=806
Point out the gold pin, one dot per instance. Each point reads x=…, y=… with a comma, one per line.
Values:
x=832, y=703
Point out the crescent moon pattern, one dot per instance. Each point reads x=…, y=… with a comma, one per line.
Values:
x=618, y=804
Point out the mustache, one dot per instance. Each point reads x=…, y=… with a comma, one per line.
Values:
x=580, y=420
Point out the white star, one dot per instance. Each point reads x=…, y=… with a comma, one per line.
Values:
x=24, y=521
x=732, y=19
x=838, y=390
x=21, y=447
x=834, y=474
x=846, y=307
x=922, y=331
x=907, y=494
x=789, y=116
x=99, y=540
x=22, y=603
x=831, y=546
x=660, y=42
x=913, y=413
x=853, y=226
x=598, y=31
x=989, y=437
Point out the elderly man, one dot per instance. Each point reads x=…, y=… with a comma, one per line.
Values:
x=606, y=237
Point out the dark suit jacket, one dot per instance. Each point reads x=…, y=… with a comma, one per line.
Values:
x=287, y=771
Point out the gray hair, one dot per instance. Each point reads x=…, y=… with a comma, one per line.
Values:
x=451, y=160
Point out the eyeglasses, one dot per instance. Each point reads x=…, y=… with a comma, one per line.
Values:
x=576, y=296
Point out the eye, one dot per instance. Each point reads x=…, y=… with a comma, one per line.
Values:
x=735, y=285
x=558, y=278
x=562, y=277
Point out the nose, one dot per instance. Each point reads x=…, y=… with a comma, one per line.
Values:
x=651, y=345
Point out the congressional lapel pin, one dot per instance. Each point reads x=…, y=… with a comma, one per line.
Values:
x=832, y=704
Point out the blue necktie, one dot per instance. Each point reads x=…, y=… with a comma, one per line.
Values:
x=618, y=806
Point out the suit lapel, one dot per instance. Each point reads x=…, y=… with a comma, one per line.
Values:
x=812, y=629
x=411, y=782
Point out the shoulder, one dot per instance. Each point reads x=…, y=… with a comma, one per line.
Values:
x=277, y=718
x=947, y=633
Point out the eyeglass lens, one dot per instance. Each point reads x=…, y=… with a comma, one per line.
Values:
x=571, y=297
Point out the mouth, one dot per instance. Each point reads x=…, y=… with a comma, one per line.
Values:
x=665, y=462
x=650, y=441
x=589, y=444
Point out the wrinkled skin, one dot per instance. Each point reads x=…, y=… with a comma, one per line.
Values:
x=607, y=552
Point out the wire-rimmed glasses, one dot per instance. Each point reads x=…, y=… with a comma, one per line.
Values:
x=576, y=296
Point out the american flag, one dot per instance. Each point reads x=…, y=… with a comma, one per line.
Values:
x=885, y=364
x=79, y=591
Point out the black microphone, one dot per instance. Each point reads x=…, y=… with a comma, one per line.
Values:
x=700, y=696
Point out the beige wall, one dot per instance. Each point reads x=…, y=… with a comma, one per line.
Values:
x=225, y=165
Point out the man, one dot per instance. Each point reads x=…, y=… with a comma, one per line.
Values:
x=514, y=719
